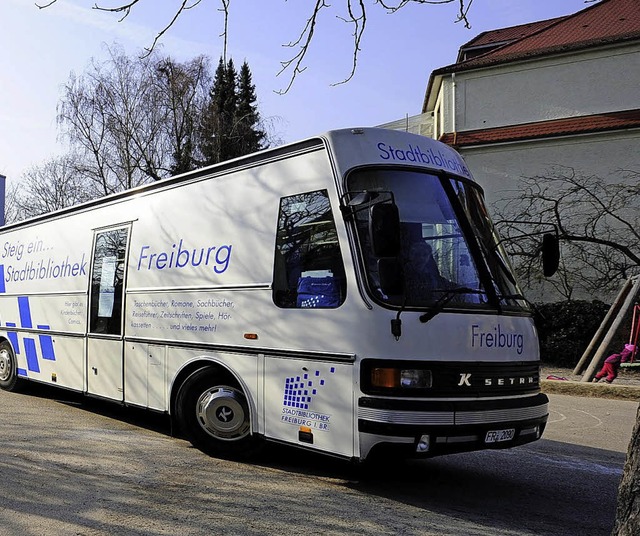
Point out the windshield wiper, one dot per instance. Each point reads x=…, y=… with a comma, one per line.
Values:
x=396, y=323
x=445, y=299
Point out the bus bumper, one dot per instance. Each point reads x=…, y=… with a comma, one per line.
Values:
x=431, y=428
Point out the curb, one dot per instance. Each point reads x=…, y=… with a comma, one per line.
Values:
x=595, y=390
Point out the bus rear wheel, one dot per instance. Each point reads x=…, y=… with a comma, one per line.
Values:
x=214, y=414
x=8, y=368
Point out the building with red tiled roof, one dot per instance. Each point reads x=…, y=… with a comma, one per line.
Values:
x=579, y=65
x=488, y=41
x=531, y=99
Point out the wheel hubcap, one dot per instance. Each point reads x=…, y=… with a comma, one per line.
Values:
x=222, y=413
x=5, y=365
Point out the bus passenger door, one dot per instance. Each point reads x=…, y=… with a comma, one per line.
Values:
x=105, y=339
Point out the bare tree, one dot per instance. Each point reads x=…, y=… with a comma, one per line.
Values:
x=183, y=88
x=598, y=224
x=352, y=12
x=11, y=209
x=132, y=119
x=111, y=113
x=54, y=185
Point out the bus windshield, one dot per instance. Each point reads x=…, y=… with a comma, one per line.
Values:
x=448, y=246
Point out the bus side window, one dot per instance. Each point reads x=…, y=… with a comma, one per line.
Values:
x=308, y=269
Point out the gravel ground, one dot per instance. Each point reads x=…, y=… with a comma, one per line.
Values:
x=563, y=381
x=626, y=376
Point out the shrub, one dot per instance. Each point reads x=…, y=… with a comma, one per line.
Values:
x=566, y=328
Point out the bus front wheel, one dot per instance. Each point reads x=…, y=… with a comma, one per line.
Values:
x=214, y=414
x=8, y=368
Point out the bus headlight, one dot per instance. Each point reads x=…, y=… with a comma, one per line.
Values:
x=398, y=378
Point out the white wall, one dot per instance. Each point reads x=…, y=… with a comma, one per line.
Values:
x=573, y=85
x=498, y=167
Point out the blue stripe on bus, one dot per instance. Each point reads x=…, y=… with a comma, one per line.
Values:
x=25, y=312
x=13, y=337
x=3, y=288
x=22, y=372
x=32, y=356
x=46, y=345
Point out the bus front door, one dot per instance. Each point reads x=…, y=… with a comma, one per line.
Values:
x=105, y=339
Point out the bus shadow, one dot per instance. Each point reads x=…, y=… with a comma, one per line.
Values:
x=524, y=490
x=139, y=417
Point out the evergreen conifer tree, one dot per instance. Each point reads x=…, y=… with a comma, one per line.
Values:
x=251, y=136
x=216, y=120
x=230, y=126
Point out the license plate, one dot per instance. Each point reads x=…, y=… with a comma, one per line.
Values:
x=496, y=436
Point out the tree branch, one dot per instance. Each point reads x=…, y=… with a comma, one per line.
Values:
x=224, y=35
x=359, y=22
x=597, y=222
x=356, y=16
x=305, y=38
x=463, y=9
x=44, y=6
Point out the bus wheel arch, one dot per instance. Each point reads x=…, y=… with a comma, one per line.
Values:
x=8, y=367
x=211, y=408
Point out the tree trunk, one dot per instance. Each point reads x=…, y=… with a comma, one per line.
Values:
x=628, y=509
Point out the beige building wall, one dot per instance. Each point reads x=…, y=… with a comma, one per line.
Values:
x=572, y=85
x=498, y=167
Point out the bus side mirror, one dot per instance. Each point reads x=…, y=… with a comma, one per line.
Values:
x=550, y=254
x=384, y=230
x=390, y=275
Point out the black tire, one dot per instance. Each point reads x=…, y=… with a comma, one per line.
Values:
x=8, y=368
x=213, y=413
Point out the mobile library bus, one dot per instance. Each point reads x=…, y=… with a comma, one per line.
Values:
x=344, y=293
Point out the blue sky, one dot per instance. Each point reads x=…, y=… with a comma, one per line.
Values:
x=40, y=48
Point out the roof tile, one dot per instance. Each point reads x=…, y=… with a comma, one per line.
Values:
x=545, y=129
x=605, y=22
x=512, y=33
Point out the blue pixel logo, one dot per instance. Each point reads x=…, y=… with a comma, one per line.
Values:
x=300, y=390
x=299, y=394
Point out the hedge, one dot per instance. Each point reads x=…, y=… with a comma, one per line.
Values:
x=566, y=329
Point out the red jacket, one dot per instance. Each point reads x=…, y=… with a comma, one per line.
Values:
x=622, y=357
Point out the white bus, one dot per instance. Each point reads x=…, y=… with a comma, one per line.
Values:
x=345, y=294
